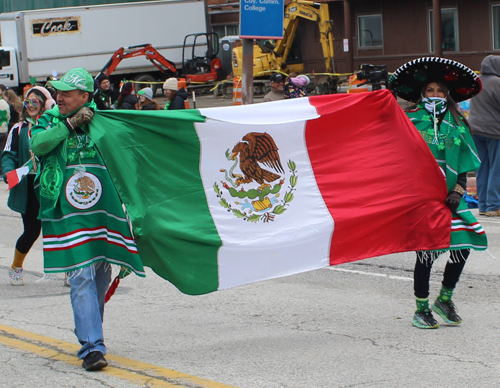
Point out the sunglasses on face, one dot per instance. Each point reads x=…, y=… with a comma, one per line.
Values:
x=33, y=103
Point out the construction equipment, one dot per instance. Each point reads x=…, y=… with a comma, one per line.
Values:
x=206, y=69
x=271, y=56
x=36, y=43
x=165, y=67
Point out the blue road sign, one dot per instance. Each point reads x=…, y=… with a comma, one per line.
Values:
x=261, y=19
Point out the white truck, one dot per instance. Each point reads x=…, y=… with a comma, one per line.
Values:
x=36, y=43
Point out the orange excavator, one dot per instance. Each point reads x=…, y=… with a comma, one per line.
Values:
x=198, y=70
x=166, y=67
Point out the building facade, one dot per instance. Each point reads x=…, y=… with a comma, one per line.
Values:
x=389, y=32
x=378, y=32
x=393, y=32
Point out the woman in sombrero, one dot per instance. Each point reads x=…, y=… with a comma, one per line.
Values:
x=435, y=85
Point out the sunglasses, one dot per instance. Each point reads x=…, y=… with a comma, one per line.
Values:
x=33, y=103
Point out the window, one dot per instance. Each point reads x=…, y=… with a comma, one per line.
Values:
x=370, y=31
x=4, y=58
x=449, y=29
x=496, y=27
x=222, y=31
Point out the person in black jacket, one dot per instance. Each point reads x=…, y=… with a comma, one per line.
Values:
x=175, y=96
x=126, y=100
x=105, y=96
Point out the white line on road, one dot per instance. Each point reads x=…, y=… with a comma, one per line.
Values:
x=381, y=275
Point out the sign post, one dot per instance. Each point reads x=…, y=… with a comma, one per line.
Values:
x=259, y=19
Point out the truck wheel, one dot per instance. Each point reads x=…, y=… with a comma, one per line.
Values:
x=146, y=78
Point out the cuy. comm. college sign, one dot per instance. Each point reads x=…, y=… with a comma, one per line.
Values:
x=261, y=19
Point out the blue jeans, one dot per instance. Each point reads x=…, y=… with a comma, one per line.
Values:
x=88, y=289
x=488, y=174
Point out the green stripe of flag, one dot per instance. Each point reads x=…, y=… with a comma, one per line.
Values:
x=161, y=221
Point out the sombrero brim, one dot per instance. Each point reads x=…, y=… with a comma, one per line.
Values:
x=408, y=80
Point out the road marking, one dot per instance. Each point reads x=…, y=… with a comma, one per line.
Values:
x=134, y=371
x=381, y=275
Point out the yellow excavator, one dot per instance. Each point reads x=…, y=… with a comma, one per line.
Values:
x=270, y=56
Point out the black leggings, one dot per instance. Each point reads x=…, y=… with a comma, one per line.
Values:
x=452, y=271
x=32, y=225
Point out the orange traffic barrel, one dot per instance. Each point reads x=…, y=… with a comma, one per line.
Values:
x=181, y=82
x=353, y=88
x=236, y=91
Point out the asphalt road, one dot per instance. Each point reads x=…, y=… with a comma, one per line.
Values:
x=345, y=326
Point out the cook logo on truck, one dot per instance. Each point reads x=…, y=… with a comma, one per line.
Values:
x=46, y=27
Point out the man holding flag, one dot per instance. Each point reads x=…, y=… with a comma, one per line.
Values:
x=83, y=223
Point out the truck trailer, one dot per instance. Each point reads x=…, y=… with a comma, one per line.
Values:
x=37, y=43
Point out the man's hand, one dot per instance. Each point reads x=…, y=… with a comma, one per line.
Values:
x=82, y=117
x=453, y=200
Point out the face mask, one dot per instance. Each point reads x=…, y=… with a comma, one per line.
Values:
x=435, y=105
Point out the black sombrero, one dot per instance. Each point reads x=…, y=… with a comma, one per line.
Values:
x=407, y=81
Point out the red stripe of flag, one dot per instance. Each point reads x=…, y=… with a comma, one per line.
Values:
x=381, y=202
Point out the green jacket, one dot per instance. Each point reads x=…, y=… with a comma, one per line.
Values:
x=15, y=154
x=49, y=141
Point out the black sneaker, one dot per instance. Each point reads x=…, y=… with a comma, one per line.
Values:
x=424, y=320
x=94, y=361
x=447, y=311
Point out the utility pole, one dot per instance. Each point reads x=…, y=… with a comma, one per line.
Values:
x=438, y=39
x=348, y=37
x=247, y=74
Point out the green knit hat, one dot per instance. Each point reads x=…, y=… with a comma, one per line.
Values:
x=78, y=78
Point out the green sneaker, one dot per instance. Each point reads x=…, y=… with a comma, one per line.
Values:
x=447, y=311
x=424, y=320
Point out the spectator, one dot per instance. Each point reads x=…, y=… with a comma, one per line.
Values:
x=175, y=96
x=15, y=105
x=295, y=86
x=126, y=99
x=484, y=119
x=146, y=101
x=277, y=92
x=105, y=96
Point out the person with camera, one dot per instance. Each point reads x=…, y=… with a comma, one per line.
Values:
x=435, y=85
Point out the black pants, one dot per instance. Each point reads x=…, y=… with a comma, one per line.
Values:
x=452, y=271
x=32, y=225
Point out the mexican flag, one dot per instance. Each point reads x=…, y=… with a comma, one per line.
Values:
x=223, y=197
x=17, y=175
